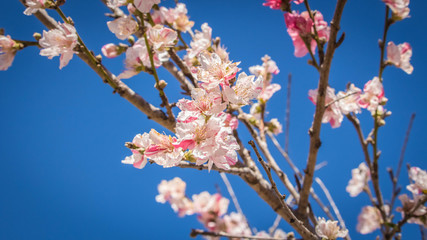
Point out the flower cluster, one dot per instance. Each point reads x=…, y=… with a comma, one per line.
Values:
x=204, y=130
x=329, y=229
x=210, y=209
x=372, y=98
x=302, y=30
x=177, y=17
x=59, y=41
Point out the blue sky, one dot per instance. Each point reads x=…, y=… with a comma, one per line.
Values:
x=63, y=131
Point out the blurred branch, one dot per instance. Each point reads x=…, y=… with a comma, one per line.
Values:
x=195, y=232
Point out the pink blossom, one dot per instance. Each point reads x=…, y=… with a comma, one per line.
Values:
x=214, y=72
x=110, y=50
x=137, y=58
x=209, y=208
x=162, y=150
x=246, y=88
x=177, y=17
x=34, y=5
x=349, y=100
x=373, y=95
x=7, y=52
x=274, y=126
x=408, y=206
x=329, y=229
x=145, y=5
x=399, y=7
x=202, y=40
x=116, y=3
x=276, y=4
x=204, y=102
x=268, y=68
x=59, y=41
x=333, y=113
x=161, y=37
x=368, y=220
x=419, y=177
x=268, y=92
x=360, y=177
x=235, y=224
x=300, y=28
x=230, y=120
x=123, y=27
x=173, y=191
x=169, y=190
x=400, y=56
x=210, y=141
x=138, y=159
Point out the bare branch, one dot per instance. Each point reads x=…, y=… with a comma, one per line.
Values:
x=320, y=110
x=288, y=113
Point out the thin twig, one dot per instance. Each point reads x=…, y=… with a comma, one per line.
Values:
x=333, y=205
x=264, y=149
x=267, y=169
x=288, y=113
x=395, y=177
x=195, y=232
x=185, y=84
x=182, y=66
x=320, y=110
x=234, y=198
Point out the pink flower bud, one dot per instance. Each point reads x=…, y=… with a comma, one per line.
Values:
x=110, y=50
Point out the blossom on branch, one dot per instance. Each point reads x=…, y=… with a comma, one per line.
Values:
x=329, y=229
x=400, y=56
x=369, y=220
x=245, y=89
x=301, y=30
x=137, y=58
x=59, y=41
x=34, y=5
x=138, y=146
x=173, y=191
x=408, y=207
x=110, y=50
x=349, y=100
x=373, y=95
x=360, y=177
x=145, y=5
x=399, y=7
x=123, y=27
x=214, y=71
x=419, y=177
x=209, y=208
x=332, y=113
x=7, y=52
x=177, y=17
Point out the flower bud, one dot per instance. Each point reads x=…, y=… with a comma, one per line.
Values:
x=162, y=84
x=110, y=50
x=37, y=36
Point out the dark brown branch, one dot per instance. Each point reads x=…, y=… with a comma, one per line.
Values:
x=320, y=110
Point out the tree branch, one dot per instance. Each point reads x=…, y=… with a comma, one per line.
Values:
x=320, y=110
